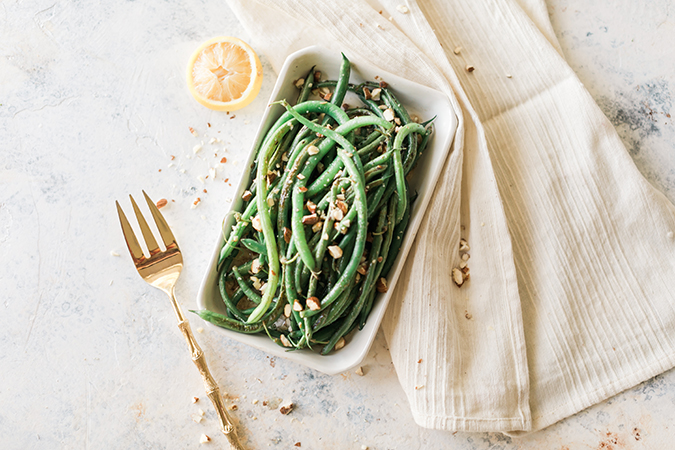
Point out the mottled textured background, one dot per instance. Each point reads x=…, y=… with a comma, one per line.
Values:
x=92, y=106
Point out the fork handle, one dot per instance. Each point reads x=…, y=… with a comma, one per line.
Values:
x=212, y=389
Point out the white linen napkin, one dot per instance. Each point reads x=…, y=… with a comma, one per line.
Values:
x=572, y=288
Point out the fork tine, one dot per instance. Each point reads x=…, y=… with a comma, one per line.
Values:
x=162, y=226
x=145, y=229
x=129, y=236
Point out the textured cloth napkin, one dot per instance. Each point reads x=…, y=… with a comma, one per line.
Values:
x=572, y=288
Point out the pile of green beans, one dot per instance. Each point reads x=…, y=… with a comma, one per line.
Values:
x=324, y=216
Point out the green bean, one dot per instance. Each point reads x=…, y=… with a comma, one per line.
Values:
x=397, y=240
x=403, y=132
x=307, y=86
x=244, y=286
x=231, y=306
x=266, y=224
x=247, y=328
x=343, y=82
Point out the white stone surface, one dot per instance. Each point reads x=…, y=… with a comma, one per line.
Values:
x=93, y=105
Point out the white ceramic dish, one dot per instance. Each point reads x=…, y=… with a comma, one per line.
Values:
x=420, y=100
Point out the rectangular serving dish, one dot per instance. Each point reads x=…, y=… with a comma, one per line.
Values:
x=420, y=100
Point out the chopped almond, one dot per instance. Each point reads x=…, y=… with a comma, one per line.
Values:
x=313, y=303
x=310, y=219
x=457, y=277
x=381, y=285
x=256, y=223
x=335, y=251
x=161, y=203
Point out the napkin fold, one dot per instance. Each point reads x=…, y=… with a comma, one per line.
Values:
x=571, y=294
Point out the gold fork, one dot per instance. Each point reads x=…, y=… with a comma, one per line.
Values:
x=162, y=270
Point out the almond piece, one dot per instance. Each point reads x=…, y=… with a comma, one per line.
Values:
x=381, y=285
x=256, y=223
x=286, y=408
x=335, y=251
x=246, y=196
x=339, y=344
x=284, y=341
x=297, y=306
x=457, y=277
x=338, y=215
x=342, y=205
x=310, y=219
x=313, y=303
x=311, y=206
x=287, y=235
x=161, y=203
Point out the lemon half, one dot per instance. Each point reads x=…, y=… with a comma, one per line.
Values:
x=224, y=74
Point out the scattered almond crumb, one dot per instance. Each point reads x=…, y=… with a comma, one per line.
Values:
x=193, y=132
x=114, y=253
x=201, y=179
x=254, y=401
x=670, y=235
x=402, y=9
x=359, y=371
x=297, y=306
x=364, y=447
x=233, y=407
x=204, y=439
x=467, y=315
x=419, y=361
x=200, y=330
x=469, y=68
x=508, y=75
x=195, y=399
x=201, y=412
x=298, y=444
x=419, y=386
x=223, y=160
x=161, y=203
x=340, y=344
x=197, y=148
x=286, y=409
x=388, y=114
x=457, y=50
x=246, y=196
x=196, y=203
x=457, y=277
x=196, y=418
x=482, y=224
x=465, y=257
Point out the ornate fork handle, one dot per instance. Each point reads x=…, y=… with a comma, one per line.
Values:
x=212, y=389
